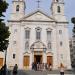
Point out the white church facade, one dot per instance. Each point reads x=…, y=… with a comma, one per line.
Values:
x=38, y=37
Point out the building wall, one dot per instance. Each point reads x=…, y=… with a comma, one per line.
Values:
x=60, y=53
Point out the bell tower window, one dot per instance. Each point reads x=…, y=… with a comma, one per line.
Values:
x=57, y=0
x=17, y=8
x=58, y=9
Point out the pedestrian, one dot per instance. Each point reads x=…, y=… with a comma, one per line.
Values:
x=38, y=66
x=46, y=66
x=3, y=70
x=43, y=66
x=50, y=66
x=61, y=69
x=33, y=66
x=15, y=69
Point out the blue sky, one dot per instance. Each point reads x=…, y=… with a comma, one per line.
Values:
x=31, y=5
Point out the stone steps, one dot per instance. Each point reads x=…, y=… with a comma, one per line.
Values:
x=32, y=72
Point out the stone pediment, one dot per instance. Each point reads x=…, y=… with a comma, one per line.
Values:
x=37, y=16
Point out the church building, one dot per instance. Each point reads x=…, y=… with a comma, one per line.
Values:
x=38, y=37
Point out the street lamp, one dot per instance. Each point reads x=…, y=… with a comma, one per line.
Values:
x=5, y=66
x=44, y=49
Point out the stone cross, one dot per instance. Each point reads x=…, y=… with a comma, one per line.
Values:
x=38, y=3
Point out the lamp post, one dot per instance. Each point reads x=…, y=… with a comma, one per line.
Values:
x=5, y=66
x=44, y=49
x=5, y=56
x=44, y=57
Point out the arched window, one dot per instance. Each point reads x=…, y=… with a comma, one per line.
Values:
x=57, y=0
x=60, y=31
x=58, y=9
x=38, y=33
x=17, y=8
x=27, y=33
x=27, y=45
x=14, y=56
x=61, y=43
x=49, y=35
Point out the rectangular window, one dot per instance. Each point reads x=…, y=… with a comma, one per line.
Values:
x=49, y=35
x=27, y=34
x=38, y=33
x=60, y=31
x=61, y=43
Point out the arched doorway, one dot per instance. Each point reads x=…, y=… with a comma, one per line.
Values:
x=38, y=48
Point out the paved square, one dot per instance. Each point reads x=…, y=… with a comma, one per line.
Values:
x=59, y=74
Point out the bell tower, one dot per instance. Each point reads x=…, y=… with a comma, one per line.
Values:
x=18, y=9
x=57, y=7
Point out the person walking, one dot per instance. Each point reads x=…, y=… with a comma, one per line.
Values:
x=33, y=66
x=15, y=69
x=50, y=66
x=3, y=70
x=61, y=69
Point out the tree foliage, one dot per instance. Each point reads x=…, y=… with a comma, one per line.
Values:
x=4, y=30
x=73, y=20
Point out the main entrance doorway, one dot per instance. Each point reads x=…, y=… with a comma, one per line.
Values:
x=38, y=58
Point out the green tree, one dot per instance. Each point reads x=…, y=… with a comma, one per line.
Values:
x=4, y=30
x=73, y=21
